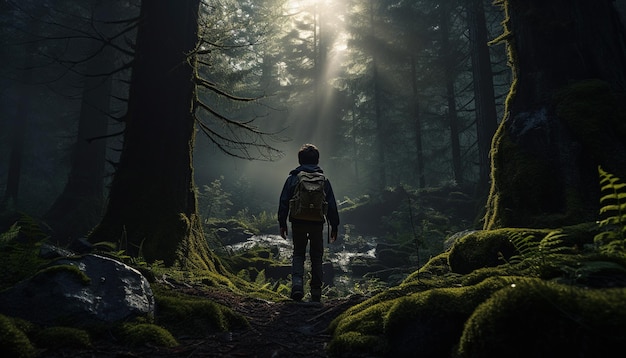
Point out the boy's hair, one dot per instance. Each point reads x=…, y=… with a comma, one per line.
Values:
x=308, y=154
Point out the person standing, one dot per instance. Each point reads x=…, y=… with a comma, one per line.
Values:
x=307, y=231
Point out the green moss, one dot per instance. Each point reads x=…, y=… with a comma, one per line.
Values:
x=140, y=334
x=437, y=266
x=237, y=263
x=354, y=344
x=431, y=322
x=62, y=337
x=369, y=321
x=538, y=318
x=527, y=185
x=542, y=253
x=19, y=261
x=384, y=296
x=55, y=269
x=13, y=341
x=194, y=316
x=487, y=248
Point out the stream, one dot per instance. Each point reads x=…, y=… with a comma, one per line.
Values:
x=351, y=258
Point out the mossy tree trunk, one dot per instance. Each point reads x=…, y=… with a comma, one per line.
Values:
x=152, y=208
x=564, y=114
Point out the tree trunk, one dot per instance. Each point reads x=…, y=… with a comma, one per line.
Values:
x=450, y=73
x=380, y=130
x=152, y=209
x=486, y=117
x=20, y=123
x=564, y=115
x=79, y=207
x=417, y=120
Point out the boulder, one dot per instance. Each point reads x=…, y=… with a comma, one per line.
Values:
x=80, y=290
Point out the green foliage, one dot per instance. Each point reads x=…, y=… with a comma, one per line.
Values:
x=551, y=319
x=354, y=344
x=526, y=246
x=264, y=222
x=541, y=258
x=613, y=210
x=250, y=266
x=260, y=279
x=71, y=269
x=13, y=341
x=195, y=316
x=19, y=247
x=141, y=334
x=9, y=235
x=30, y=230
x=63, y=337
x=213, y=200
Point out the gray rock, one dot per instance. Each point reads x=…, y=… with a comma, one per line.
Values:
x=102, y=290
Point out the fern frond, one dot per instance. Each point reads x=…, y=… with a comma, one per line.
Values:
x=609, y=208
x=552, y=241
x=525, y=245
x=612, y=220
x=612, y=207
x=9, y=235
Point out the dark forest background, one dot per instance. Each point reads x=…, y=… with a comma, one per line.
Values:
x=393, y=92
x=386, y=91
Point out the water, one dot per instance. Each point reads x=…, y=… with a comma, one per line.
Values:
x=340, y=254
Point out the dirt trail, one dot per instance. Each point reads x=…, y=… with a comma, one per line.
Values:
x=277, y=330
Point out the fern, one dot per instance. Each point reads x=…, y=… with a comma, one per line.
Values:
x=535, y=254
x=527, y=247
x=554, y=243
x=20, y=246
x=10, y=235
x=612, y=209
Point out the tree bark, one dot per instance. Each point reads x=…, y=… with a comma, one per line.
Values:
x=20, y=124
x=450, y=72
x=152, y=209
x=79, y=207
x=564, y=115
x=377, y=99
x=417, y=122
x=484, y=99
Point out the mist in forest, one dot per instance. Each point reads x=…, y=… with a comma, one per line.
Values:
x=369, y=85
x=386, y=93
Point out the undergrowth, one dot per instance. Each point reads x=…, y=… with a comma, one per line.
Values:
x=612, y=212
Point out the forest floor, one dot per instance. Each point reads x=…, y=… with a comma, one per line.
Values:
x=277, y=329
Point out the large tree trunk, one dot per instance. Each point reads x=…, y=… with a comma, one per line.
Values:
x=20, y=123
x=152, y=209
x=484, y=99
x=79, y=207
x=564, y=116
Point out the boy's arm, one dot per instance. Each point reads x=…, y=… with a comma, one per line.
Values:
x=283, y=207
x=333, y=213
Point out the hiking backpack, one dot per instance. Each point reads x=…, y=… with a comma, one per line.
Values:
x=309, y=199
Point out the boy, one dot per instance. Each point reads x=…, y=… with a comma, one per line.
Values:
x=307, y=231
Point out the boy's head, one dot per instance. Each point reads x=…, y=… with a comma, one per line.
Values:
x=308, y=154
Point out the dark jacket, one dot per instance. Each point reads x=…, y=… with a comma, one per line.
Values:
x=290, y=185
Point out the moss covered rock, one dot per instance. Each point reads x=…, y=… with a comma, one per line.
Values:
x=535, y=318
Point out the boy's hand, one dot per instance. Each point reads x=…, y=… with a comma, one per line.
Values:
x=283, y=232
x=333, y=236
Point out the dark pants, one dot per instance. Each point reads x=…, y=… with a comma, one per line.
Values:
x=304, y=234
